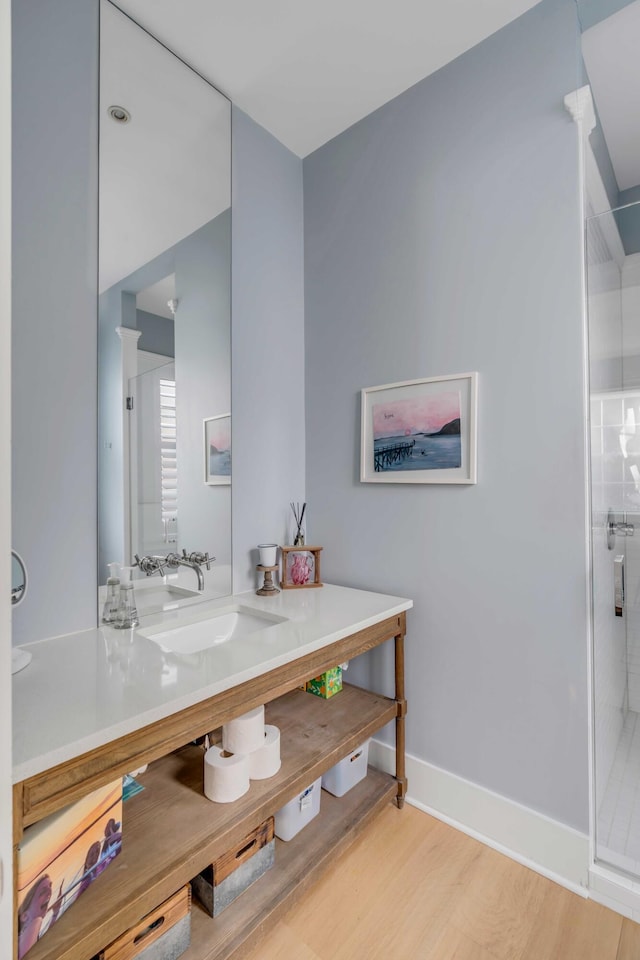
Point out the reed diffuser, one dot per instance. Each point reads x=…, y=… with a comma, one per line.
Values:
x=298, y=540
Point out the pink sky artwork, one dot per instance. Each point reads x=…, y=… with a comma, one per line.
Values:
x=219, y=433
x=425, y=414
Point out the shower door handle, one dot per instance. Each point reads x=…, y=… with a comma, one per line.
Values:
x=618, y=585
x=619, y=527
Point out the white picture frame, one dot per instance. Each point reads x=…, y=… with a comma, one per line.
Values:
x=432, y=421
x=217, y=449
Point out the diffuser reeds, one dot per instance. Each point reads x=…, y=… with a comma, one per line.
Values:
x=298, y=540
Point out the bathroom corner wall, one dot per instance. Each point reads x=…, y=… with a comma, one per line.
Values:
x=442, y=235
x=54, y=349
x=268, y=376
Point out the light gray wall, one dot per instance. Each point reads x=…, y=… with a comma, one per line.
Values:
x=203, y=378
x=55, y=153
x=603, y=161
x=157, y=333
x=442, y=236
x=268, y=342
x=593, y=11
x=628, y=220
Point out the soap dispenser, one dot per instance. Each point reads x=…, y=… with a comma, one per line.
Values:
x=127, y=615
x=110, y=610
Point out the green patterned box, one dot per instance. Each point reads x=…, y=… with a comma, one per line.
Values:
x=327, y=684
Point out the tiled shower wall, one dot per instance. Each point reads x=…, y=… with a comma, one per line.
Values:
x=609, y=654
x=605, y=375
x=631, y=384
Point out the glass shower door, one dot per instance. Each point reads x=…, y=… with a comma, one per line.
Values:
x=613, y=287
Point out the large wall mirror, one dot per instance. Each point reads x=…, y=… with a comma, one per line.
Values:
x=164, y=371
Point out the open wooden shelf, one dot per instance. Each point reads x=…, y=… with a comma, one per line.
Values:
x=171, y=831
x=298, y=863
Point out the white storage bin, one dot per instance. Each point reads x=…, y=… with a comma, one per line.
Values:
x=347, y=772
x=298, y=812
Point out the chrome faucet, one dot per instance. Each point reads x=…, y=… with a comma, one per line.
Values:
x=195, y=560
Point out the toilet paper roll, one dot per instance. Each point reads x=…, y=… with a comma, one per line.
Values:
x=244, y=734
x=265, y=761
x=226, y=776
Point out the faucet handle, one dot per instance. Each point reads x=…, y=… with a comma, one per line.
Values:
x=197, y=557
x=150, y=565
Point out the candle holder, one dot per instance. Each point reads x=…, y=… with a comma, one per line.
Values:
x=268, y=588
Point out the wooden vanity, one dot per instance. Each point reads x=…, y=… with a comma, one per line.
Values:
x=171, y=831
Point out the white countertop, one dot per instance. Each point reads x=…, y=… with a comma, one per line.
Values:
x=86, y=689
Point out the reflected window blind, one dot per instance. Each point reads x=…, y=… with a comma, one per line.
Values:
x=168, y=466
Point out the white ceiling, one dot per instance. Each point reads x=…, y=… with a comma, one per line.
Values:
x=308, y=70
x=155, y=299
x=611, y=51
x=166, y=172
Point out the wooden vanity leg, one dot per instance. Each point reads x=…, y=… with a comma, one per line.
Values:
x=401, y=705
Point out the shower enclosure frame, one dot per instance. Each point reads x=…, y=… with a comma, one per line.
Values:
x=608, y=884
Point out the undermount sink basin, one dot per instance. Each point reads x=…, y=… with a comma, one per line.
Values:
x=232, y=623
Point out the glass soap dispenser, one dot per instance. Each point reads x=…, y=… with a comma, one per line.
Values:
x=110, y=609
x=127, y=615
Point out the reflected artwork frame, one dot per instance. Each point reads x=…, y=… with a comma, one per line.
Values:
x=420, y=431
x=217, y=449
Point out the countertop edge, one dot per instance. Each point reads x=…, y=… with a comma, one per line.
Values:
x=53, y=757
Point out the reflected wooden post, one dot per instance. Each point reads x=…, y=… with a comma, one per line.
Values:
x=401, y=706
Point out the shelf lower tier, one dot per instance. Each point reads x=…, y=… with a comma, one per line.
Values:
x=171, y=831
x=298, y=863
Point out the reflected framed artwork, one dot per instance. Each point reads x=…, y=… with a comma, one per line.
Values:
x=217, y=449
x=420, y=431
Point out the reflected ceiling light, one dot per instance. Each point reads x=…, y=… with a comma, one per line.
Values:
x=119, y=114
x=173, y=306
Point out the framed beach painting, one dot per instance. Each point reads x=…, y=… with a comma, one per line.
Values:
x=420, y=431
x=217, y=449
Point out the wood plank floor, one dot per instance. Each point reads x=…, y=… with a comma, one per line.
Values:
x=413, y=888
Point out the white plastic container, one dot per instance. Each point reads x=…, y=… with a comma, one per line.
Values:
x=347, y=772
x=298, y=812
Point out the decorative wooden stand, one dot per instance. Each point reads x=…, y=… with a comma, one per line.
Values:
x=268, y=588
x=285, y=580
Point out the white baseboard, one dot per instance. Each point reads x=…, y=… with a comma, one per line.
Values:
x=552, y=849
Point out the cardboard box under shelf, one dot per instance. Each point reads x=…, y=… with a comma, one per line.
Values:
x=59, y=857
x=327, y=684
x=163, y=934
x=232, y=873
